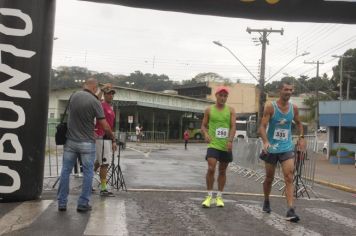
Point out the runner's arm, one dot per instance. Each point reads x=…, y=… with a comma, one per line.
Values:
x=204, y=125
x=301, y=141
x=268, y=110
x=232, y=124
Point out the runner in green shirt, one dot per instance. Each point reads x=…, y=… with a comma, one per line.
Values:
x=219, y=129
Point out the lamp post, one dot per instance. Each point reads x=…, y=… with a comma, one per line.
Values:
x=221, y=45
x=276, y=73
x=340, y=100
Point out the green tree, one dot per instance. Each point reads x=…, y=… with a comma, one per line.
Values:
x=349, y=74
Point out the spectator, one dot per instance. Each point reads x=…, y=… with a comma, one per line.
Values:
x=186, y=138
x=105, y=148
x=83, y=108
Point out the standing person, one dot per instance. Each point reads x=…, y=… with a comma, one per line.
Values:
x=142, y=136
x=82, y=109
x=186, y=138
x=105, y=148
x=219, y=129
x=138, y=133
x=278, y=145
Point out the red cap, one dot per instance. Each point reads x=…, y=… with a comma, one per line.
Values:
x=222, y=89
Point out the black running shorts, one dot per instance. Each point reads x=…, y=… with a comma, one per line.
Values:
x=221, y=156
x=273, y=158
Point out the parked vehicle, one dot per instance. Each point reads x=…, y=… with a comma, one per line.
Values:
x=322, y=129
x=325, y=148
x=241, y=129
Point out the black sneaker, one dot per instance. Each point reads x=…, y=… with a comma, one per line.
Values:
x=266, y=207
x=62, y=208
x=106, y=193
x=291, y=216
x=83, y=208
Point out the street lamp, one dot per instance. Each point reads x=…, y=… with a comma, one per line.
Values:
x=221, y=45
x=340, y=99
x=300, y=55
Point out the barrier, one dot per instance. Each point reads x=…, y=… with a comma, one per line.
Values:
x=147, y=136
x=247, y=162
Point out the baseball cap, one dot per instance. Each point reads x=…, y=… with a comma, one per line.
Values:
x=107, y=90
x=222, y=89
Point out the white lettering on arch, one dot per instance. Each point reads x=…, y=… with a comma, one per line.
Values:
x=17, y=76
x=16, y=32
x=15, y=177
x=20, y=113
x=14, y=139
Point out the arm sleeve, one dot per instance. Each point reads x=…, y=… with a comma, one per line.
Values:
x=98, y=110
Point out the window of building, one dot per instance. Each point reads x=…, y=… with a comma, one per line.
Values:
x=348, y=135
x=51, y=115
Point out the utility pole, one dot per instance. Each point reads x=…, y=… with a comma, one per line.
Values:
x=316, y=90
x=264, y=41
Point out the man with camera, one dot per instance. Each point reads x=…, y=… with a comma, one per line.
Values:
x=278, y=145
x=83, y=108
x=105, y=147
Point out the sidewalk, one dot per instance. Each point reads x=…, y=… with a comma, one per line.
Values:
x=341, y=177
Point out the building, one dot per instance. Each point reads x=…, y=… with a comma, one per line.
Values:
x=156, y=112
x=333, y=113
x=243, y=97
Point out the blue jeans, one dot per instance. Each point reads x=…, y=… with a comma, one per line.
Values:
x=73, y=150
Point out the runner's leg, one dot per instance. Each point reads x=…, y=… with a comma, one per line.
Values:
x=288, y=168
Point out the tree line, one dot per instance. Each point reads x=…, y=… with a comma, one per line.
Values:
x=70, y=77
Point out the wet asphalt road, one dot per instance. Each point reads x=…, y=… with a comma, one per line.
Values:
x=166, y=185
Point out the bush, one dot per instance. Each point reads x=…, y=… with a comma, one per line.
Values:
x=350, y=154
x=333, y=152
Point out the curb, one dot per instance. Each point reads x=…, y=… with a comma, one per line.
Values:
x=336, y=186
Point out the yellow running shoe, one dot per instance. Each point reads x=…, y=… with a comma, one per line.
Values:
x=206, y=203
x=219, y=202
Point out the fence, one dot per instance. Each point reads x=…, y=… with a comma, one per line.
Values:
x=147, y=136
x=247, y=163
x=54, y=153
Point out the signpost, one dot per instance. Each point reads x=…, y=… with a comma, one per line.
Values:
x=130, y=120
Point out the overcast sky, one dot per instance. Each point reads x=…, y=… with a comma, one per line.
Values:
x=121, y=40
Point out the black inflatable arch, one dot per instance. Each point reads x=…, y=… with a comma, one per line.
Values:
x=26, y=37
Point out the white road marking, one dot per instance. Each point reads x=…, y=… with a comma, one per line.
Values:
x=339, y=219
x=108, y=217
x=145, y=154
x=23, y=215
x=277, y=221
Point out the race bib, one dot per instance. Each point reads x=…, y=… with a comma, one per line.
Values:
x=281, y=134
x=222, y=132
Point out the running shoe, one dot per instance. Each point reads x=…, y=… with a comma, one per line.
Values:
x=266, y=207
x=106, y=193
x=291, y=216
x=219, y=202
x=207, y=202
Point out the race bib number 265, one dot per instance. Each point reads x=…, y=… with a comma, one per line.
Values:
x=222, y=132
